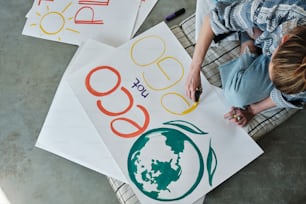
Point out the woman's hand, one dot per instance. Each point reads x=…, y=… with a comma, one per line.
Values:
x=193, y=82
x=204, y=40
x=239, y=116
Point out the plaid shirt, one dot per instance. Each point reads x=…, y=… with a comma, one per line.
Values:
x=274, y=17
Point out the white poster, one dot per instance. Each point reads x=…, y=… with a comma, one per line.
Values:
x=67, y=131
x=74, y=21
x=168, y=149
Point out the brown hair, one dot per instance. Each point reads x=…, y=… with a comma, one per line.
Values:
x=288, y=69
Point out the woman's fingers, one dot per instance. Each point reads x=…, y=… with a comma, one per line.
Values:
x=190, y=90
x=193, y=81
x=191, y=86
x=230, y=115
x=237, y=116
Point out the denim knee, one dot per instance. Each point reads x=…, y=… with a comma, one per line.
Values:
x=246, y=80
x=238, y=97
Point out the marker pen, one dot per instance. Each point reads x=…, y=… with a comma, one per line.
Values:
x=197, y=94
x=175, y=14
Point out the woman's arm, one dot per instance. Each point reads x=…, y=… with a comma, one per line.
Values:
x=265, y=104
x=226, y=17
x=205, y=38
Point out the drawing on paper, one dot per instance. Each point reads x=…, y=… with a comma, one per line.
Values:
x=165, y=64
x=98, y=2
x=54, y=22
x=139, y=128
x=169, y=97
x=169, y=69
x=158, y=174
x=39, y=1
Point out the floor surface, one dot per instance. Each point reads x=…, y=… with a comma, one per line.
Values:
x=30, y=70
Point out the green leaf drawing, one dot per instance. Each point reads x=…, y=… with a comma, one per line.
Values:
x=211, y=159
x=186, y=126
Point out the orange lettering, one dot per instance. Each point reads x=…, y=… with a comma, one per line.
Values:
x=39, y=1
x=97, y=3
x=98, y=93
x=88, y=21
x=103, y=110
x=140, y=129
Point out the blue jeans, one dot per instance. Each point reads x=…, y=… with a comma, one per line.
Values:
x=245, y=80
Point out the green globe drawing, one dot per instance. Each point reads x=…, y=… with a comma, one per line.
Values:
x=159, y=164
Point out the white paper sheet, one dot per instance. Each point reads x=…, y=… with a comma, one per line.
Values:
x=67, y=130
x=73, y=21
x=168, y=151
x=145, y=8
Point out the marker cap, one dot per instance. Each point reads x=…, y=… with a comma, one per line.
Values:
x=175, y=14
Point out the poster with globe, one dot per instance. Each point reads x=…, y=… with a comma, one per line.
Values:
x=169, y=149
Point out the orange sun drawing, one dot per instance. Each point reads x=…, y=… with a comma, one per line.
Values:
x=54, y=22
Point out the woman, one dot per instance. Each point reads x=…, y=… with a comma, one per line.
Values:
x=253, y=83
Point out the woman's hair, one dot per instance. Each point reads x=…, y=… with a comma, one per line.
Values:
x=288, y=69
